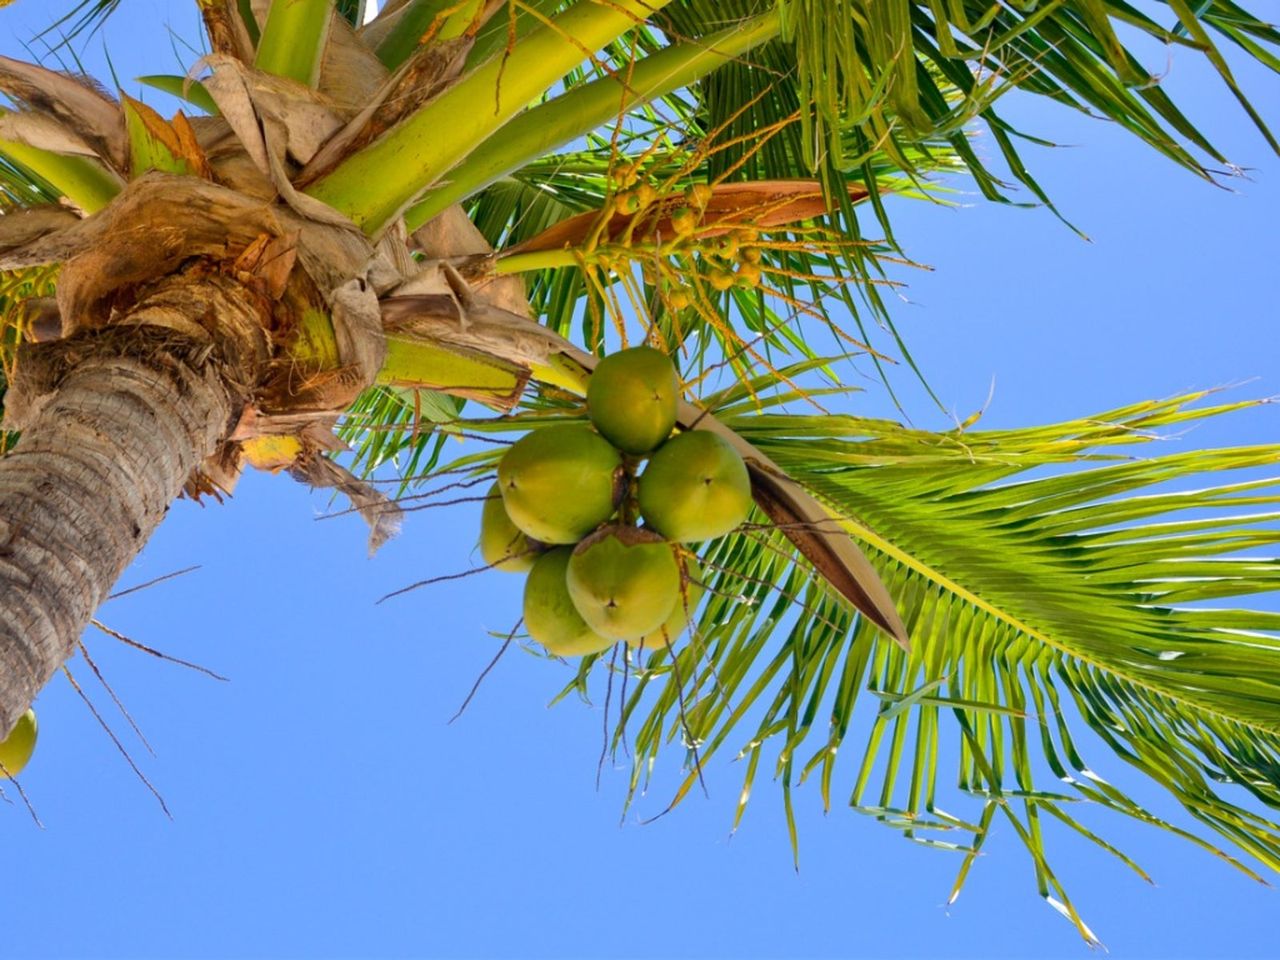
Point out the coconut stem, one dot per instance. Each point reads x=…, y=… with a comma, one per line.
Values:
x=629, y=509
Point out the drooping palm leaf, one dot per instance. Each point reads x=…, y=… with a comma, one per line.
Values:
x=883, y=65
x=1052, y=618
x=1039, y=609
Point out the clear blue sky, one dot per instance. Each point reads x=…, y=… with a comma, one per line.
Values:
x=322, y=806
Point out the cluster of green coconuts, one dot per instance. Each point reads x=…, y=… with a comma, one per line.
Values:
x=568, y=503
x=17, y=747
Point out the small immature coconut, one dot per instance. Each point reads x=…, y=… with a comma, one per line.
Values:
x=749, y=275
x=695, y=488
x=632, y=398
x=699, y=194
x=720, y=280
x=550, y=615
x=684, y=222
x=16, y=749
x=686, y=602
x=624, y=581
x=560, y=483
x=503, y=545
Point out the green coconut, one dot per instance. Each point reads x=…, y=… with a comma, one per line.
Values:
x=632, y=398
x=695, y=488
x=550, y=615
x=686, y=603
x=503, y=545
x=560, y=483
x=625, y=582
x=17, y=747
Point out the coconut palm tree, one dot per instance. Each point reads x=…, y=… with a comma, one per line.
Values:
x=358, y=225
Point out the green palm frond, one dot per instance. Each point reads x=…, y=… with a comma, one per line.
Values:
x=387, y=425
x=1040, y=609
x=85, y=16
x=1063, y=598
x=864, y=74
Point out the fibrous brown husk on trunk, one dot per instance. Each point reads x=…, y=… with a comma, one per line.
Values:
x=171, y=301
x=113, y=421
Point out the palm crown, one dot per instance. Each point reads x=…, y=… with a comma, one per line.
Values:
x=473, y=201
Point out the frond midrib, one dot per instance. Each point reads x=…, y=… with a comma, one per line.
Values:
x=879, y=543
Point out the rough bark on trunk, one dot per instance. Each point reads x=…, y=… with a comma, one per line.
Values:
x=113, y=422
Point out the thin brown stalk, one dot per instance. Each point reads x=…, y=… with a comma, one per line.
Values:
x=116, y=740
x=84, y=652
x=129, y=641
x=151, y=583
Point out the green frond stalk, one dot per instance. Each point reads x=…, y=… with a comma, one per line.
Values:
x=497, y=35
x=183, y=88
x=418, y=19
x=250, y=21
x=293, y=38
x=576, y=113
x=535, y=261
x=84, y=181
x=419, y=365
x=414, y=20
x=462, y=17
x=376, y=184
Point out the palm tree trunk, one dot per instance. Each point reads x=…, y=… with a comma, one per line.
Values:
x=113, y=423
